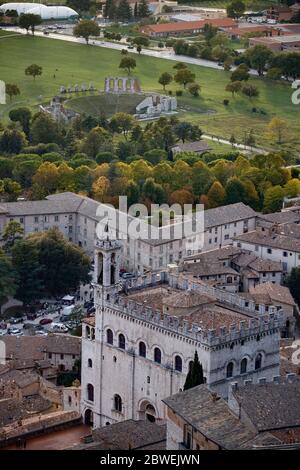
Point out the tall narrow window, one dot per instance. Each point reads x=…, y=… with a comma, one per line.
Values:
x=121, y=341
x=258, y=361
x=178, y=363
x=109, y=337
x=244, y=366
x=157, y=355
x=229, y=370
x=142, y=349
x=90, y=392
x=118, y=403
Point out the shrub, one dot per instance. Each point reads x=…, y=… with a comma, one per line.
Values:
x=226, y=102
x=178, y=92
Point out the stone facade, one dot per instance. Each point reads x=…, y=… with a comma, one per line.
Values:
x=122, y=381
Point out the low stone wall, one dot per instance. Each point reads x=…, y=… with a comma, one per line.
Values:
x=37, y=425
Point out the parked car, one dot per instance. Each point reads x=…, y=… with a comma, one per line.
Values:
x=128, y=275
x=58, y=328
x=45, y=321
x=2, y=333
x=41, y=333
x=15, y=332
x=15, y=321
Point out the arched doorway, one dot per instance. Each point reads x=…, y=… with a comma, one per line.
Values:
x=88, y=417
x=147, y=412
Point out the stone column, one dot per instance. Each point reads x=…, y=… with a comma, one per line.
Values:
x=124, y=83
x=132, y=85
x=116, y=85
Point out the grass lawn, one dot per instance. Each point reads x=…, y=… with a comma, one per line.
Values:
x=107, y=104
x=76, y=64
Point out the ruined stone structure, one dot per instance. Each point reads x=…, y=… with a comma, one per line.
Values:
x=154, y=105
x=122, y=85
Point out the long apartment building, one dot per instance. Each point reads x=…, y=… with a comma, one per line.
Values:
x=75, y=216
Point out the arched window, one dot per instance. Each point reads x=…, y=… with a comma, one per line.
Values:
x=229, y=370
x=178, y=363
x=118, y=403
x=229, y=280
x=90, y=363
x=142, y=349
x=157, y=355
x=121, y=341
x=87, y=332
x=258, y=361
x=90, y=392
x=244, y=366
x=109, y=337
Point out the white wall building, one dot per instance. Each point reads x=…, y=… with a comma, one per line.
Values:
x=75, y=216
x=139, y=347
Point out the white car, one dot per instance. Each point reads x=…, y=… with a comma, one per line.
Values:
x=41, y=333
x=15, y=332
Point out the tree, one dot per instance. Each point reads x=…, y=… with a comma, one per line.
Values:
x=124, y=12
x=202, y=178
x=184, y=76
x=273, y=199
x=165, y=79
x=100, y=188
x=194, y=89
x=293, y=283
x=139, y=48
x=127, y=63
x=85, y=29
x=216, y=195
x=179, y=66
x=34, y=70
x=132, y=193
x=29, y=272
x=143, y=9
x=235, y=191
x=122, y=122
x=29, y=20
x=195, y=374
x=44, y=129
x=12, y=90
x=186, y=131
x=292, y=188
x=8, y=283
x=59, y=265
x=233, y=87
x=46, y=178
x=250, y=91
x=12, y=141
x=235, y=9
x=23, y=116
x=240, y=73
x=258, y=57
x=12, y=232
x=277, y=128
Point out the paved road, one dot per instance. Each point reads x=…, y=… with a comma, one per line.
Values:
x=160, y=54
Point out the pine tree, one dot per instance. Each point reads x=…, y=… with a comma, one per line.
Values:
x=135, y=11
x=195, y=374
x=143, y=9
x=124, y=12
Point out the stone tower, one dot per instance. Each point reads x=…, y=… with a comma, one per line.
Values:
x=107, y=269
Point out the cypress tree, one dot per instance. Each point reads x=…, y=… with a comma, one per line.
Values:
x=135, y=11
x=195, y=374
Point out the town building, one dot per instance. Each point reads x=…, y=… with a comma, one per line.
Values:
x=278, y=13
x=182, y=28
x=198, y=147
x=138, y=348
x=256, y=416
x=233, y=269
x=76, y=218
x=276, y=243
x=288, y=43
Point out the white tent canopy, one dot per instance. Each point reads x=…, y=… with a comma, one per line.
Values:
x=68, y=298
x=46, y=13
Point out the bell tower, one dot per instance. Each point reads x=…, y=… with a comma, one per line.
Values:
x=106, y=268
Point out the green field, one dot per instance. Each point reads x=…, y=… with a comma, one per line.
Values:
x=69, y=64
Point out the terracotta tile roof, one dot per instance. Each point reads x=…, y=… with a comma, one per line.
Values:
x=275, y=292
x=89, y=321
x=189, y=25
